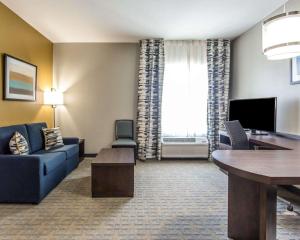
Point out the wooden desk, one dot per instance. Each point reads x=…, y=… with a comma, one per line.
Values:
x=252, y=184
x=273, y=141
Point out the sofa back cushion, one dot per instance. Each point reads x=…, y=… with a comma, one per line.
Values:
x=7, y=132
x=35, y=135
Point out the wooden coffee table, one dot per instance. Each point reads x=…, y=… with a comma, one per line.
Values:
x=113, y=173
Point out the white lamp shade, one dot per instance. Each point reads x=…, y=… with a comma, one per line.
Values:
x=53, y=98
x=281, y=36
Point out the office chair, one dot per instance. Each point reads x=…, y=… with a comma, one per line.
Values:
x=237, y=135
x=124, y=136
x=238, y=138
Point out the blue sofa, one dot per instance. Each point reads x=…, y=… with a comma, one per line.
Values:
x=29, y=178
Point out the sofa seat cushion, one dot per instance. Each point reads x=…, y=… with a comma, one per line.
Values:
x=52, y=161
x=69, y=150
x=124, y=142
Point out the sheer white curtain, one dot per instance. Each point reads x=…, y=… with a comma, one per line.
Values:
x=185, y=89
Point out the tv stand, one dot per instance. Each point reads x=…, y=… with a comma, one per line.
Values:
x=257, y=132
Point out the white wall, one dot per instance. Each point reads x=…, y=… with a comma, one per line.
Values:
x=255, y=76
x=99, y=81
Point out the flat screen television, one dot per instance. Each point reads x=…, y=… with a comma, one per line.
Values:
x=254, y=114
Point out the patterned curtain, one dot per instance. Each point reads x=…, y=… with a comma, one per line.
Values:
x=150, y=82
x=218, y=61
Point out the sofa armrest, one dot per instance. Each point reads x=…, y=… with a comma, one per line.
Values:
x=70, y=140
x=20, y=178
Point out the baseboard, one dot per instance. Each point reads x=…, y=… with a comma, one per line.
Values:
x=90, y=155
x=184, y=158
x=93, y=155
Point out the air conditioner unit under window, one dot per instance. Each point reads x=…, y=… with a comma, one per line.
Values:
x=190, y=147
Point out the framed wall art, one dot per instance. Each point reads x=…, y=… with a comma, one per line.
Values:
x=20, y=79
x=295, y=79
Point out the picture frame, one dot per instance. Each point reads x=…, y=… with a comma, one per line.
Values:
x=295, y=69
x=19, y=80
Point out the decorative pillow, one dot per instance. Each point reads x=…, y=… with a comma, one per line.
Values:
x=18, y=144
x=53, y=138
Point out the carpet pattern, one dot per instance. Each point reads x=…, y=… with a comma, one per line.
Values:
x=173, y=200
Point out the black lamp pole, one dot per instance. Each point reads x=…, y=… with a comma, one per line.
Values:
x=54, y=120
x=54, y=109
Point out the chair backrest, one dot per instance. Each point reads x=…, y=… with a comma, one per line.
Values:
x=237, y=135
x=124, y=129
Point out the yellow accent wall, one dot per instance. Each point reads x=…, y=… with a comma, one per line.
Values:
x=19, y=39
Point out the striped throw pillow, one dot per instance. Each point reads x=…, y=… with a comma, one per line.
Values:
x=53, y=138
x=18, y=144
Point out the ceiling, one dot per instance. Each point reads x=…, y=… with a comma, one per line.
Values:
x=131, y=20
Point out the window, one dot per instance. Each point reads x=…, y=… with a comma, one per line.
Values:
x=184, y=102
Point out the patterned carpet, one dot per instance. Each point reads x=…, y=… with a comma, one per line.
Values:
x=173, y=200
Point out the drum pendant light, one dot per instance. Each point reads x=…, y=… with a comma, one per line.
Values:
x=281, y=36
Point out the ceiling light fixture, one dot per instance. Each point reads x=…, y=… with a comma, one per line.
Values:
x=281, y=35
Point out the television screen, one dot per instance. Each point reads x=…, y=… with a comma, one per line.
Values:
x=254, y=114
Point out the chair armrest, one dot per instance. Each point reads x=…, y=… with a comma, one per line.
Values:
x=70, y=140
x=20, y=178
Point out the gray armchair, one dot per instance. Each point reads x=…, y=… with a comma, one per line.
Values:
x=124, y=135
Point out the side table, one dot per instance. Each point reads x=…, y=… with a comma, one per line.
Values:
x=81, y=149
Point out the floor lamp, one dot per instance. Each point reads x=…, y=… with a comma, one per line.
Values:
x=53, y=98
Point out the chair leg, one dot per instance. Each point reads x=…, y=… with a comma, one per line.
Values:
x=290, y=207
x=135, y=154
